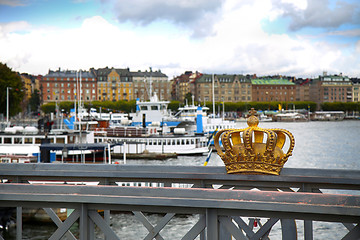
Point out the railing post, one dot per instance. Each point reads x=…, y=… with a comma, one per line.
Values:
x=107, y=218
x=308, y=224
x=308, y=230
x=83, y=222
x=212, y=232
x=18, y=223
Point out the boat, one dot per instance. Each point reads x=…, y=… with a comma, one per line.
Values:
x=153, y=111
x=20, y=146
x=138, y=140
x=327, y=116
x=290, y=117
x=196, y=119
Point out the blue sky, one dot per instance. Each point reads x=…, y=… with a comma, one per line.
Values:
x=287, y=37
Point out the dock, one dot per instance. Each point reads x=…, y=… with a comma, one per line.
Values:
x=221, y=200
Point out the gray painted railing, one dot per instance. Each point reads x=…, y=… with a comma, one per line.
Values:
x=219, y=198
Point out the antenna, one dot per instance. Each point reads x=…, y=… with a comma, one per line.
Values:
x=213, y=95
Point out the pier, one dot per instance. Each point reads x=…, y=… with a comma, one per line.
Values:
x=222, y=201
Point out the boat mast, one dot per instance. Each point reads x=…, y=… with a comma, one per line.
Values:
x=76, y=76
x=213, y=95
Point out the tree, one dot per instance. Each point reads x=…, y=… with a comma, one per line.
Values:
x=11, y=79
x=34, y=101
x=188, y=97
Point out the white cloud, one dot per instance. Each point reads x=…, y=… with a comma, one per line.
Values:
x=14, y=3
x=238, y=45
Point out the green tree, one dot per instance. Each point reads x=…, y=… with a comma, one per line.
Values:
x=10, y=79
x=34, y=101
x=188, y=97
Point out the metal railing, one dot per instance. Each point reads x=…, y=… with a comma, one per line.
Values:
x=220, y=199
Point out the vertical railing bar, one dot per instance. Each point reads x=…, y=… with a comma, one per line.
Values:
x=107, y=218
x=211, y=224
x=18, y=223
x=83, y=222
x=91, y=227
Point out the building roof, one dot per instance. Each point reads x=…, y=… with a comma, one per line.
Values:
x=271, y=82
x=148, y=74
x=69, y=74
x=222, y=78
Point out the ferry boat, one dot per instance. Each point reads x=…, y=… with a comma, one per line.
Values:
x=196, y=119
x=154, y=111
x=17, y=146
x=290, y=117
x=137, y=140
x=328, y=116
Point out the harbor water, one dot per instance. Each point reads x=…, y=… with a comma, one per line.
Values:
x=325, y=145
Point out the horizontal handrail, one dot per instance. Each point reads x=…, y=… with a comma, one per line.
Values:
x=199, y=175
x=326, y=207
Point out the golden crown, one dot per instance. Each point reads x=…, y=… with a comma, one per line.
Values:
x=254, y=150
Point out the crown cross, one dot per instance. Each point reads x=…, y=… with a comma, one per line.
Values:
x=254, y=150
x=253, y=112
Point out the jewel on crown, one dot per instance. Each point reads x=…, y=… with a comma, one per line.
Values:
x=254, y=150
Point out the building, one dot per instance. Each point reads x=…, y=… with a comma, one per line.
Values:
x=115, y=84
x=270, y=90
x=65, y=85
x=227, y=88
x=331, y=88
x=181, y=86
x=101, y=76
x=356, y=89
x=28, y=83
x=146, y=84
x=303, y=89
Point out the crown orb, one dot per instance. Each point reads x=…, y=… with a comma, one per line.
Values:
x=252, y=120
x=254, y=150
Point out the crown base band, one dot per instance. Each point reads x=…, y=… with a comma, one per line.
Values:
x=253, y=168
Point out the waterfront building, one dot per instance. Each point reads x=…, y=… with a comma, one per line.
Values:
x=331, y=88
x=227, y=88
x=302, y=89
x=356, y=89
x=101, y=75
x=27, y=81
x=65, y=85
x=115, y=84
x=145, y=84
x=182, y=85
x=269, y=90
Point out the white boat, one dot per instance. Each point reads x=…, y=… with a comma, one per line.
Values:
x=23, y=146
x=290, y=117
x=328, y=116
x=137, y=140
x=195, y=119
x=154, y=111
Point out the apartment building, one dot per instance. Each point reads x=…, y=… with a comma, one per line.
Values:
x=114, y=84
x=331, y=88
x=148, y=83
x=270, y=90
x=67, y=85
x=227, y=88
x=356, y=89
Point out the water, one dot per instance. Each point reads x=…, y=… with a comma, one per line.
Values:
x=329, y=145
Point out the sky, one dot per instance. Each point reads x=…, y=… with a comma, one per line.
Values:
x=265, y=37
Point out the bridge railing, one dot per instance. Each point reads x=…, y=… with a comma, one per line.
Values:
x=220, y=199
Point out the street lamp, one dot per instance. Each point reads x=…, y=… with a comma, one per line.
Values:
x=7, y=105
